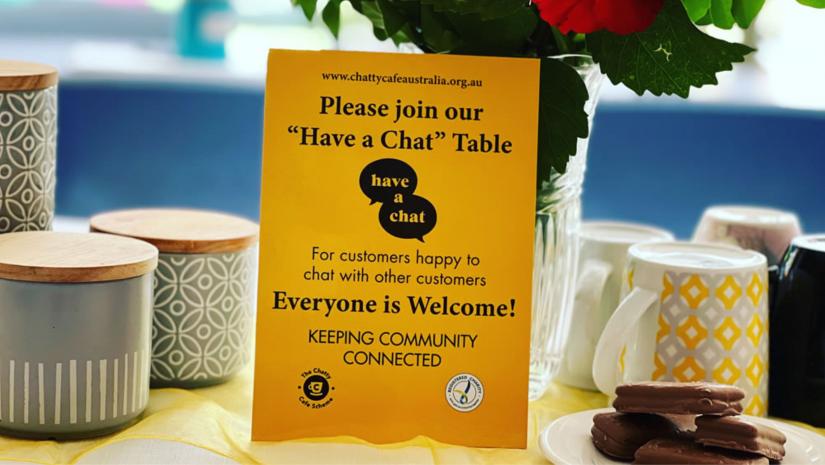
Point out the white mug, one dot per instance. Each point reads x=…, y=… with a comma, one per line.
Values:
x=691, y=312
x=602, y=261
x=764, y=230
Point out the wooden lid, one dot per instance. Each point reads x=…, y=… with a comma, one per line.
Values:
x=20, y=75
x=181, y=231
x=58, y=257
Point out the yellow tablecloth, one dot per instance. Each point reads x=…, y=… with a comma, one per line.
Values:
x=218, y=419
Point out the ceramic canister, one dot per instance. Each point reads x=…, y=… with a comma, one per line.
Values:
x=203, y=291
x=28, y=139
x=75, y=329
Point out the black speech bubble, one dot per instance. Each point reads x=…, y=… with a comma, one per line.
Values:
x=388, y=170
x=392, y=217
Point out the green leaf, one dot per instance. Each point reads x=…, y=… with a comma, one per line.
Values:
x=436, y=28
x=393, y=19
x=308, y=6
x=670, y=57
x=409, y=11
x=332, y=16
x=488, y=9
x=371, y=10
x=562, y=119
x=704, y=20
x=696, y=9
x=745, y=11
x=722, y=13
x=505, y=36
x=437, y=33
x=813, y=3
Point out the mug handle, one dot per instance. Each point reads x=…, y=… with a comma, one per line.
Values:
x=615, y=336
x=591, y=283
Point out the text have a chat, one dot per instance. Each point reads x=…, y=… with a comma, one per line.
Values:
x=401, y=139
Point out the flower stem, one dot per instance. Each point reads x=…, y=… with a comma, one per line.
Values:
x=561, y=41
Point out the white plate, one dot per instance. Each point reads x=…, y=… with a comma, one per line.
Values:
x=567, y=441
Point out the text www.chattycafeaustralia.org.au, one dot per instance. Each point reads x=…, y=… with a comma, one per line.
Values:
x=378, y=79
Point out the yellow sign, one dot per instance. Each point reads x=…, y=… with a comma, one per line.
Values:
x=397, y=232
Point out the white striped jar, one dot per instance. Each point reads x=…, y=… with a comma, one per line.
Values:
x=75, y=331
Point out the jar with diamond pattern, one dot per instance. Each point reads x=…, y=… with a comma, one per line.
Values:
x=203, y=291
x=28, y=140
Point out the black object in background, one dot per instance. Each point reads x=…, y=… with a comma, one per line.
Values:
x=797, y=334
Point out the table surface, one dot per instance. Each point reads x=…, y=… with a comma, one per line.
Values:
x=212, y=426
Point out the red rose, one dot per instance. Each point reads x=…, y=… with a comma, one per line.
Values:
x=586, y=16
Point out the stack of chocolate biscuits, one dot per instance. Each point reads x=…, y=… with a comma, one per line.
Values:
x=674, y=423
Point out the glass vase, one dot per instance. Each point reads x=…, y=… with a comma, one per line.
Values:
x=555, y=263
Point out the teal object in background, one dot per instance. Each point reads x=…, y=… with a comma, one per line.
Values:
x=202, y=28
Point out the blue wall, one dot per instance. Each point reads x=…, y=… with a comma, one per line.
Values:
x=664, y=164
x=150, y=145
x=158, y=146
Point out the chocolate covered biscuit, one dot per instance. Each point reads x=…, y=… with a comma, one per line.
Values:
x=669, y=451
x=620, y=435
x=736, y=433
x=679, y=398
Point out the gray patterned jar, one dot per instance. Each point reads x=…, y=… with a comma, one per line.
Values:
x=75, y=333
x=28, y=140
x=203, y=291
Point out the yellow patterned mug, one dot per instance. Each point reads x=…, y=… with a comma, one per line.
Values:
x=690, y=312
